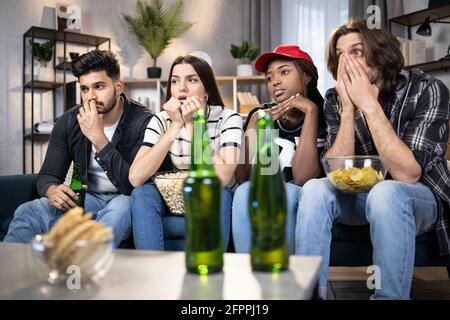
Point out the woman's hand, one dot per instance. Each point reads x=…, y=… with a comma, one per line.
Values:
x=189, y=106
x=295, y=102
x=173, y=109
x=303, y=104
x=282, y=109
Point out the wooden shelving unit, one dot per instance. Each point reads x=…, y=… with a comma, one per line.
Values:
x=432, y=66
x=61, y=38
x=417, y=18
x=233, y=81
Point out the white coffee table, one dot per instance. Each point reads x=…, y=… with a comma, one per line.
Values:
x=161, y=275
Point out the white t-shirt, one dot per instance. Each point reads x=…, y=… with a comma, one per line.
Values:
x=224, y=129
x=98, y=180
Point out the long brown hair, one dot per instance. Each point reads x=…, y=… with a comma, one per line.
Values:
x=205, y=74
x=381, y=50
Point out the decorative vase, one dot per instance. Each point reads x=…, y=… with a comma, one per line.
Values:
x=44, y=73
x=154, y=72
x=244, y=70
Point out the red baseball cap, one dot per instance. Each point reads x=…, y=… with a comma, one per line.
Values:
x=291, y=51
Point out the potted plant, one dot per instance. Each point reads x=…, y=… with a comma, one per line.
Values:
x=43, y=53
x=246, y=53
x=155, y=27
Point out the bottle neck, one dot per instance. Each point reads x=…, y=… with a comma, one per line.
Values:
x=201, y=159
x=76, y=176
x=264, y=142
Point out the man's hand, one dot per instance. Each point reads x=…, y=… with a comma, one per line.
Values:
x=346, y=102
x=363, y=94
x=91, y=124
x=61, y=197
x=173, y=109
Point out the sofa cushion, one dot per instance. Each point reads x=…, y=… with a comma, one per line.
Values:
x=15, y=190
x=343, y=232
x=348, y=233
x=4, y=228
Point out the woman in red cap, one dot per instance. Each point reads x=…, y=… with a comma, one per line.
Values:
x=291, y=81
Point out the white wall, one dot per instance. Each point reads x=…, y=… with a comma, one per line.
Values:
x=218, y=24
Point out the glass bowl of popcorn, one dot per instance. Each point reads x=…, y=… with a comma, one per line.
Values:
x=170, y=185
x=354, y=174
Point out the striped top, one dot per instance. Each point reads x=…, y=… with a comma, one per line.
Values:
x=224, y=129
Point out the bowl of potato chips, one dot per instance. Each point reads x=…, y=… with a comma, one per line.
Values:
x=355, y=173
x=75, y=246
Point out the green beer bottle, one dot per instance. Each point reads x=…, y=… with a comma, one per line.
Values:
x=202, y=199
x=267, y=203
x=76, y=185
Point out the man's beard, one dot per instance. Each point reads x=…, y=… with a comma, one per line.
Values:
x=110, y=105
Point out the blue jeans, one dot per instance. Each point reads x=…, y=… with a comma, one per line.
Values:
x=148, y=208
x=38, y=216
x=396, y=212
x=241, y=227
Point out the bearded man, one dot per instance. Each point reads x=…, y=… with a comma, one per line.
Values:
x=103, y=136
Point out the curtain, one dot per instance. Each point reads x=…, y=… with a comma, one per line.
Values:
x=262, y=22
x=309, y=23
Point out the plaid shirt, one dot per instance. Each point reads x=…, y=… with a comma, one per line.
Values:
x=419, y=113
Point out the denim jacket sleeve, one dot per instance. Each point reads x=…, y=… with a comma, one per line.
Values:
x=57, y=159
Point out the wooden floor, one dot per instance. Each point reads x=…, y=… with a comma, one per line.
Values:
x=350, y=284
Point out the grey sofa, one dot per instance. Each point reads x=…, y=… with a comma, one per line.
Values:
x=351, y=245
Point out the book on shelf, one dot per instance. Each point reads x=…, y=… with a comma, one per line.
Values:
x=413, y=51
x=247, y=101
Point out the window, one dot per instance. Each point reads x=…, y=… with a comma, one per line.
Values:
x=309, y=23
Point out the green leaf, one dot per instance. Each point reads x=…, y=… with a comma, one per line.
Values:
x=42, y=52
x=246, y=52
x=154, y=27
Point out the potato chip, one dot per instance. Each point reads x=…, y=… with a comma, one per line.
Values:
x=355, y=179
x=355, y=174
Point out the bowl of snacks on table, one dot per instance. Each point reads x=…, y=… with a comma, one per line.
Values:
x=75, y=244
x=352, y=174
x=170, y=185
